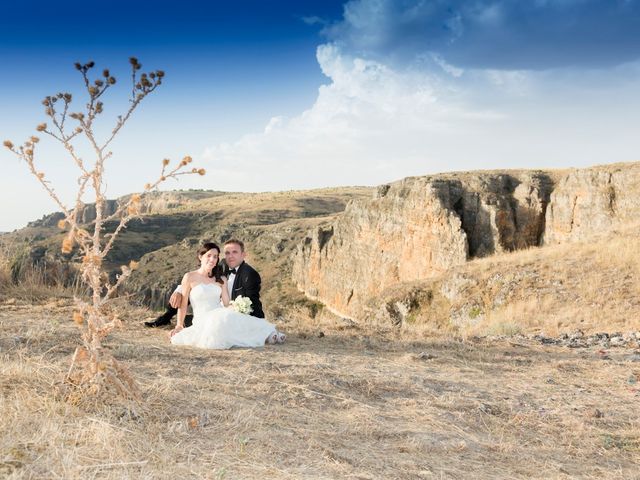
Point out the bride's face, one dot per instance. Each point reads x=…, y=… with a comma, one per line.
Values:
x=209, y=259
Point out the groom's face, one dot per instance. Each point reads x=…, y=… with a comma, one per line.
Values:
x=233, y=255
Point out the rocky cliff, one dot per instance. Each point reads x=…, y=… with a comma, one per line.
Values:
x=591, y=201
x=418, y=228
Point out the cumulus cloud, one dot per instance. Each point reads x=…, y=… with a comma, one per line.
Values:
x=422, y=87
x=314, y=20
x=369, y=120
x=494, y=34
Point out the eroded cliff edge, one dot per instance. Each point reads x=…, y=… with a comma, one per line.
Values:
x=419, y=227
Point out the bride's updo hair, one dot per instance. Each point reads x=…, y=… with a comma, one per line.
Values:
x=217, y=270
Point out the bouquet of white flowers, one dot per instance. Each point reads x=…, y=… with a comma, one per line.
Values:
x=242, y=305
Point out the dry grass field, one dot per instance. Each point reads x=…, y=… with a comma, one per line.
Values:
x=336, y=401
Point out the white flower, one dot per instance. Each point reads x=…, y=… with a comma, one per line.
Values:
x=242, y=305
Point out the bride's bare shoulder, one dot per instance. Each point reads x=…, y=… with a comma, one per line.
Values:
x=189, y=277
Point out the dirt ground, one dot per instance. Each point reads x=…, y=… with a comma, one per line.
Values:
x=333, y=402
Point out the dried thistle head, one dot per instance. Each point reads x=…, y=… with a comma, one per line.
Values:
x=34, y=139
x=40, y=175
x=133, y=264
x=8, y=144
x=135, y=198
x=93, y=259
x=147, y=186
x=112, y=80
x=165, y=162
x=201, y=171
x=105, y=73
x=132, y=209
x=134, y=63
x=67, y=244
x=42, y=127
x=81, y=354
x=78, y=318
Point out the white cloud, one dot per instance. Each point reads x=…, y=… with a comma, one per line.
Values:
x=374, y=123
x=314, y=20
x=369, y=125
x=447, y=67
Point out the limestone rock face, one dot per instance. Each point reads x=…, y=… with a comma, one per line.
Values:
x=591, y=201
x=417, y=228
x=88, y=212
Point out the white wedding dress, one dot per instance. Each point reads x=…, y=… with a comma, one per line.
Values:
x=215, y=326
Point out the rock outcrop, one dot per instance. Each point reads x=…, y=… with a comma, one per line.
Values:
x=417, y=228
x=592, y=201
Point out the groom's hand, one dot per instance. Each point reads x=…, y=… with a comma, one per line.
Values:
x=175, y=300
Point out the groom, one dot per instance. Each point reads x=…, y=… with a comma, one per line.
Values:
x=242, y=280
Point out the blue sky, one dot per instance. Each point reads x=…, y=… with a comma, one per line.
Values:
x=288, y=95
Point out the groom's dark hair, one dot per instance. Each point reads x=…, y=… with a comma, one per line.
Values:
x=240, y=243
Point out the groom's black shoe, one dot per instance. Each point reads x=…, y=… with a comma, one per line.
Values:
x=164, y=319
x=158, y=322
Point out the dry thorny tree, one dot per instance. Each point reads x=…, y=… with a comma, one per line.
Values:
x=94, y=371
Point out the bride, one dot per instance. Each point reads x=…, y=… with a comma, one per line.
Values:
x=213, y=325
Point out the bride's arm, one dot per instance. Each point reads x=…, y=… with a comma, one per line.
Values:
x=225, y=292
x=182, y=309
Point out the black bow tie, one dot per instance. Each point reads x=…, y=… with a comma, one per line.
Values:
x=231, y=270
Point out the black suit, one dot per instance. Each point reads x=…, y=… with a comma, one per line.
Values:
x=247, y=283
